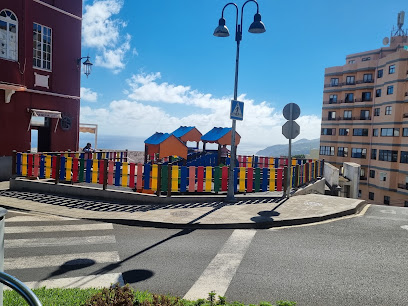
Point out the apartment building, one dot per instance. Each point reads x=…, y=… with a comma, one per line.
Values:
x=365, y=119
x=40, y=44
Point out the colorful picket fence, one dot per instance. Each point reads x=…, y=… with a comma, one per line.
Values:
x=268, y=162
x=120, y=156
x=170, y=178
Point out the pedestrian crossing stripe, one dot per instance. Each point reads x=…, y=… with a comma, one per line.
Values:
x=237, y=110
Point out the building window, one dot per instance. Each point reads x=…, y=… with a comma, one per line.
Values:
x=366, y=96
x=364, y=59
x=373, y=153
x=351, y=61
x=388, y=110
x=375, y=132
x=334, y=82
x=359, y=193
x=405, y=203
x=333, y=99
x=376, y=111
x=360, y=132
x=372, y=173
x=350, y=80
x=342, y=151
x=363, y=174
x=328, y=131
x=388, y=155
x=347, y=114
x=404, y=157
x=405, y=132
x=349, y=97
x=387, y=200
x=344, y=132
x=391, y=69
x=365, y=115
x=378, y=93
x=389, y=132
x=8, y=35
x=368, y=78
x=390, y=90
x=380, y=73
x=326, y=150
x=42, y=41
x=358, y=153
x=331, y=116
x=383, y=176
x=371, y=195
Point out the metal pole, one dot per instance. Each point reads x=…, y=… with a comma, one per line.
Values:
x=290, y=152
x=230, y=194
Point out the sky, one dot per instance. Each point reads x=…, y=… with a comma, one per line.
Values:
x=157, y=65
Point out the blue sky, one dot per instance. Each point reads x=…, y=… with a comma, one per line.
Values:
x=157, y=64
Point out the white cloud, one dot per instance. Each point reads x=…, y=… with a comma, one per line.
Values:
x=101, y=31
x=145, y=112
x=88, y=95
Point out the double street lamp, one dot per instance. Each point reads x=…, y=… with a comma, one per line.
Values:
x=222, y=31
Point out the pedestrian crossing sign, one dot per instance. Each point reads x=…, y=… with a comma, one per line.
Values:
x=237, y=110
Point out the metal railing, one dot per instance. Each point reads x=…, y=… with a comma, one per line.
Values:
x=21, y=289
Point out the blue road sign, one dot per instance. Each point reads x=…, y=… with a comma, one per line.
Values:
x=237, y=110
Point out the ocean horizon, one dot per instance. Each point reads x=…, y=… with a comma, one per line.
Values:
x=131, y=143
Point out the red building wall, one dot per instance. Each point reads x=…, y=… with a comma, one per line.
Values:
x=64, y=77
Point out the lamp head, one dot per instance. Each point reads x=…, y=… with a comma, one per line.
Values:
x=257, y=26
x=87, y=66
x=221, y=30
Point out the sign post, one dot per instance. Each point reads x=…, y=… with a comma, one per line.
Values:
x=290, y=130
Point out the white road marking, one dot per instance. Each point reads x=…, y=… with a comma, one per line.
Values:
x=90, y=281
x=38, y=218
x=59, y=260
x=61, y=241
x=57, y=228
x=405, y=227
x=387, y=218
x=388, y=211
x=219, y=273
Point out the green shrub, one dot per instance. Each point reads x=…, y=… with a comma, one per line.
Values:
x=112, y=296
x=285, y=303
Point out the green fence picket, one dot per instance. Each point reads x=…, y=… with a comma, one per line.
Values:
x=217, y=181
x=164, y=177
x=81, y=170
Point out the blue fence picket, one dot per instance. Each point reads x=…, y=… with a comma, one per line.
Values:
x=264, y=179
x=147, y=171
x=18, y=163
x=183, y=179
x=88, y=172
x=42, y=166
x=117, y=173
x=62, y=168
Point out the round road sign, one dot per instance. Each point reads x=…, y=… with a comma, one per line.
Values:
x=291, y=111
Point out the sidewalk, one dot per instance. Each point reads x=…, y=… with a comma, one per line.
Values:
x=266, y=211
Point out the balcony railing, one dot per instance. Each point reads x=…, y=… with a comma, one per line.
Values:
x=349, y=83
x=363, y=100
x=403, y=186
x=351, y=118
x=363, y=178
x=405, y=115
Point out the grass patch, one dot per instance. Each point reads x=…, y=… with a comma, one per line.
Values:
x=119, y=296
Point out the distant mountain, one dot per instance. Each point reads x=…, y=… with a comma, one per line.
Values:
x=302, y=146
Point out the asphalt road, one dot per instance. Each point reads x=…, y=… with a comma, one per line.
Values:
x=351, y=261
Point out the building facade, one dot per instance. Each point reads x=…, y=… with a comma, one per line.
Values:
x=365, y=119
x=40, y=44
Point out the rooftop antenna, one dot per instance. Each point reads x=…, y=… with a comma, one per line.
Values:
x=400, y=23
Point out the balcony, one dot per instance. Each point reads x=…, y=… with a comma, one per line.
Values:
x=364, y=81
x=330, y=102
x=363, y=100
x=403, y=186
x=405, y=115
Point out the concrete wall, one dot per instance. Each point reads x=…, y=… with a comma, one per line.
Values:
x=352, y=172
x=5, y=168
x=331, y=174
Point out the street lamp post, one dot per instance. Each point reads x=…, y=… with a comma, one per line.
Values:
x=222, y=31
